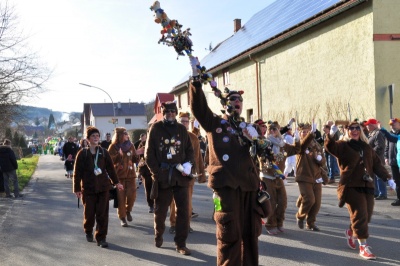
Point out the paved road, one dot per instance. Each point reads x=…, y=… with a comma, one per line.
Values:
x=45, y=228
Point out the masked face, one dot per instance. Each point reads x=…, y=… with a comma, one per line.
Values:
x=170, y=114
x=236, y=101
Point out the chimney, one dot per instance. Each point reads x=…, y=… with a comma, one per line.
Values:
x=237, y=24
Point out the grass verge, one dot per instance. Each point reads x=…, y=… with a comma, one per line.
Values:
x=26, y=168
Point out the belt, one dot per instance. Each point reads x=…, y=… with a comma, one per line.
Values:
x=170, y=167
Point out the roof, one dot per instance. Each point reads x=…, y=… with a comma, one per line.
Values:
x=274, y=20
x=164, y=97
x=127, y=109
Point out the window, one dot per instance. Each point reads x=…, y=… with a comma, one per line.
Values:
x=179, y=101
x=226, y=77
x=250, y=116
x=128, y=121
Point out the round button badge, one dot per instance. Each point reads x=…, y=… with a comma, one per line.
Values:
x=225, y=157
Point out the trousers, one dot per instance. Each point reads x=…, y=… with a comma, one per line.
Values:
x=95, y=209
x=11, y=176
x=126, y=197
x=309, y=202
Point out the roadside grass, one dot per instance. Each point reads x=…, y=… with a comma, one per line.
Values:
x=26, y=168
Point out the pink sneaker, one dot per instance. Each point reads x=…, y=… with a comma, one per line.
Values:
x=366, y=253
x=272, y=231
x=350, y=240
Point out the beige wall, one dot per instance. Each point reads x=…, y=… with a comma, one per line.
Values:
x=323, y=70
x=387, y=57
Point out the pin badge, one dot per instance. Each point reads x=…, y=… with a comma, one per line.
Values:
x=166, y=141
x=225, y=139
x=218, y=130
x=225, y=157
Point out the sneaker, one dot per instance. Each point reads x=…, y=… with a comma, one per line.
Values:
x=300, y=223
x=272, y=231
x=194, y=215
x=129, y=216
x=183, y=250
x=366, y=253
x=381, y=197
x=102, y=244
x=172, y=230
x=151, y=209
x=281, y=229
x=350, y=239
x=313, y=228
x=123, y=222
x=396, y=203
x=89, y=237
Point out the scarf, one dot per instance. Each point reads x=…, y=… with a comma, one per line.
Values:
x=277, y=143
x=357, y=145
x=125, y=146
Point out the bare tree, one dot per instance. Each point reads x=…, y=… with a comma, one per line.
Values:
x=21, y=74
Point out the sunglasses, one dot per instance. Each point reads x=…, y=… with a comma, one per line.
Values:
x=234, y=98
x=355, y=128
x=170, y=111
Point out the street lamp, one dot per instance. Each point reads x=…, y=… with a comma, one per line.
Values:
x=87, y=85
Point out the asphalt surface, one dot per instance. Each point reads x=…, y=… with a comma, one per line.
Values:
x=45, y=228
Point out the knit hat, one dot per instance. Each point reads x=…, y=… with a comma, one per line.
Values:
x=184, y=114
x=169, y=105
x=274, y=124
x=303, y=126
x=90, y=130
x=393, y=120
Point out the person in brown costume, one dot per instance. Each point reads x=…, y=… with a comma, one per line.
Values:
x=91, y=180
x=168, y=146
x=198, y=169
x=310, y=175
x=124, y=156
x=358, y=164
x=233, y=175
x=278, y=151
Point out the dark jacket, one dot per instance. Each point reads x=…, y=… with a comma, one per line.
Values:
x=391, y=147
x=8, y=161
x=229, y=163
x=84, y=178
x=70, y=148
x=160, y=140
x=377, y=141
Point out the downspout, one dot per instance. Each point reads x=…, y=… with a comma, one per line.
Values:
x=257, y=86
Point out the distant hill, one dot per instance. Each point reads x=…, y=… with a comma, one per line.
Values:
x=31, y=113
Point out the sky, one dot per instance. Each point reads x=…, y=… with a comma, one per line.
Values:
x=113, y=45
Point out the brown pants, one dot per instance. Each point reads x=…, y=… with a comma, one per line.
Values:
x=172, y=208
x=277, y=191
x=126, y=197
x=163, y=201
x=310, y=202
x=360, y=206
x=238, y=227
x=95, y=208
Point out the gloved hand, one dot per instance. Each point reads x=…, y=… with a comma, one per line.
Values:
x=291, y=122
x=333, y=130
x=313, y=127
x=194, y=62
x=187, y=168
x=319, y=180
x=252, y=132
x=296, y=136
x=392, y=184
x=196, y=124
